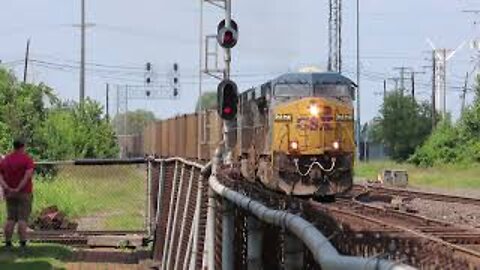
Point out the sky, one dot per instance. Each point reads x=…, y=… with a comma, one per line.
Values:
x=276, y=36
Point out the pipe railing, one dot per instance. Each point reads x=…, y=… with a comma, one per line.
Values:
x=323, y=252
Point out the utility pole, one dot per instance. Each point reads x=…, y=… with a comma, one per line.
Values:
x=464, y=94
x=384, y=90
x=395, y=80
x=358, y=77
x=27, y=55
x=434, y=89
x=412, y=74
x=82, y=53
x=335, y=36
x=402, y=77
x=107, y=95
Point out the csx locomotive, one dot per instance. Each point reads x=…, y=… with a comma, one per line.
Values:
x=296, y=134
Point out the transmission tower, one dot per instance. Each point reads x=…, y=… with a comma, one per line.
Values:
x=440, y=60
x=335, y=36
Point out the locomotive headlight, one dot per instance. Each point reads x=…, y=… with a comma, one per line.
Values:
x=314, y=110
x=336, y=145
x=294, y=145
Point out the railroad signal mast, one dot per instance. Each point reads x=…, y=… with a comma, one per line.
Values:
x=227, y=91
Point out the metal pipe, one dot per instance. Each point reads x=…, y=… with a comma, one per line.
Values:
x=358, y=79
x=323, y=251
x=228, y=235
x=170, y=210
x=293, y=253
x=175, y=215
x=184, y=217
x=148, y=219
x=254, y=244
x=161, y=182
x=209, y=246
x=196, y=220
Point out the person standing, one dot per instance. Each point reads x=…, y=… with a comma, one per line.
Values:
x=16, y=172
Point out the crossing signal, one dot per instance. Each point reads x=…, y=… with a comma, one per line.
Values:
x=227, y=37
x=227, y=98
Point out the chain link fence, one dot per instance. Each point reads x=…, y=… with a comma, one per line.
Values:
x=89, y=196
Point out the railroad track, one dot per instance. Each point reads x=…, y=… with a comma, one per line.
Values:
x=418, y=194
x=360, y=229
x=446, y=238
x=78, y=238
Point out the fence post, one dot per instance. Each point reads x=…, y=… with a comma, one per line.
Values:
x=175, y=215
x=161, y=183
x=293, y=252
x=209, y=249
x=148, y=219
x=228, y=234
x=196, y=221
x=166, y=246
x=254, y=245
x=184, y=217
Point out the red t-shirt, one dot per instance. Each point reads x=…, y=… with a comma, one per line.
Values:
x=13, y=167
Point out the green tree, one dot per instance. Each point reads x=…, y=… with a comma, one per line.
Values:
x=404, y=125
x=454, y=142
x=52, y=129
x=5, y=139
x=136, y=121
x=209, y=101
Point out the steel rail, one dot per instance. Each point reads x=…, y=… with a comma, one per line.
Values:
x=422, y=194
x=352, y=213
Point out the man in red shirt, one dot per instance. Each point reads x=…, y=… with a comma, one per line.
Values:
x=16, y=172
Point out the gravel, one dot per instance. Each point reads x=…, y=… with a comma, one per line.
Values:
x=456, y=213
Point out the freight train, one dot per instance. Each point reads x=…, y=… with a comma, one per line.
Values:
x=295, y=134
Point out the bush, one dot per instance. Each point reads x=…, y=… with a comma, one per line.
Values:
x=453, y=143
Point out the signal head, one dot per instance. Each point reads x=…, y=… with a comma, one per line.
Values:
x=227, y=37
x=227, y=95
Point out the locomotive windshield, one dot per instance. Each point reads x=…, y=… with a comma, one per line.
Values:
x=293, y=90
x=339, y=91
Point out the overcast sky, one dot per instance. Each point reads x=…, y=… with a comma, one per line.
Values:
x=276, y=36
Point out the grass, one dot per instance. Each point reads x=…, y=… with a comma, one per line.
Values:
x=100, y=197
x=37, y=256
x=446, y=177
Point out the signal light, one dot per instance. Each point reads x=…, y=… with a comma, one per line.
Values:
x=148, y=80
x=227, y=37
x=148, y=66
x=227, y=95
x=175, y=92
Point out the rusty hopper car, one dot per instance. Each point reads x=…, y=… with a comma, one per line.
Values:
x=181, y=136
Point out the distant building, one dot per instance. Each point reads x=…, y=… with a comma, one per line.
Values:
x=370, y=149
